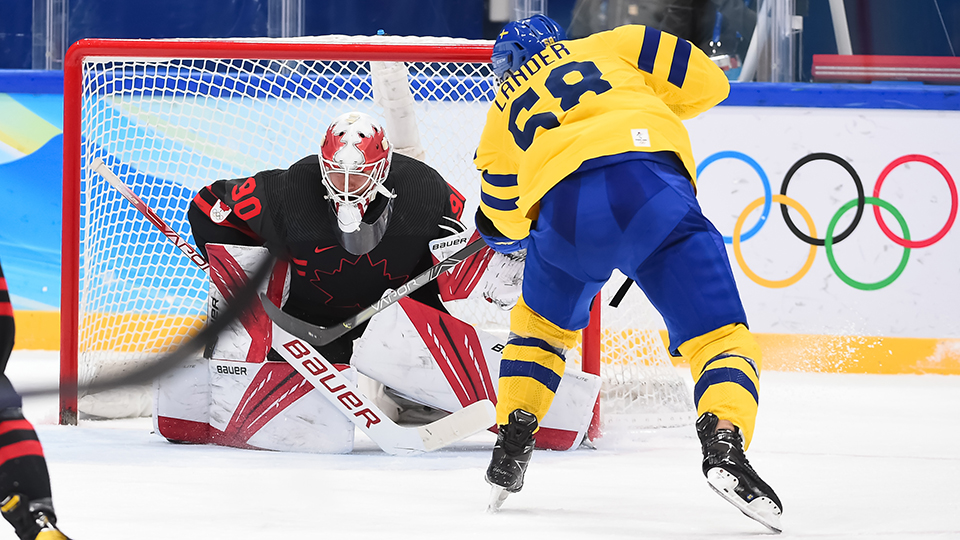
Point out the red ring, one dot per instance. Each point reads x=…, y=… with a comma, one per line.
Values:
x=953, y=200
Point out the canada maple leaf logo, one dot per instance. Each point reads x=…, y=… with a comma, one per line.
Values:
x=362, y=270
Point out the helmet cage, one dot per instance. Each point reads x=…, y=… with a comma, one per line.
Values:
x=355, y=145
x=373, y=173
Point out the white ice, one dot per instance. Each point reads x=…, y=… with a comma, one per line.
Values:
x=851, y=456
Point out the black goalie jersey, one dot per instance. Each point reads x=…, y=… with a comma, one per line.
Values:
x=285, y=211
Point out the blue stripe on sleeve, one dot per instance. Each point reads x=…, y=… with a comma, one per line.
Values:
x=500, y=180
x=722, y=375
x=504, y=205
x=518, y=368
x=681, y=58
x=648, y=51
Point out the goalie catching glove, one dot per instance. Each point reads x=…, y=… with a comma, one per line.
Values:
x=496, y=277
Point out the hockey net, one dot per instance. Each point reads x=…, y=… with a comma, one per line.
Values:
x=171, y=116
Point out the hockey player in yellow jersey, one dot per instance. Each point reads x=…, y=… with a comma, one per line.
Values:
x=587, y=165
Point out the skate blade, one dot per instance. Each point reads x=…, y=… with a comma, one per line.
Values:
x=762, y=510
x=497, y=496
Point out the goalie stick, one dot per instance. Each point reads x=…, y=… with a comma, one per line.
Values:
x=392, y=438
x=101, y=168
x=322, y=335
x=208, y=334
x=336, y=388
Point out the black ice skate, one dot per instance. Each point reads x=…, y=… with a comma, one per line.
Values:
x=32, y=520
x=729, y=473
x=511, y=455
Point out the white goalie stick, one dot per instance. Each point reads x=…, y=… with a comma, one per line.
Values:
x=392, y=438
x=337, y=389
x=101, y=168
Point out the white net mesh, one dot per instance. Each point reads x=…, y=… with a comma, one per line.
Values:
x=169, y=126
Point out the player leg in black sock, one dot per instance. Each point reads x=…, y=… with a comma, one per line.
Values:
x=25, y=499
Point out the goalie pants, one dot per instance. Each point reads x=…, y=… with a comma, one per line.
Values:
x=637, y=213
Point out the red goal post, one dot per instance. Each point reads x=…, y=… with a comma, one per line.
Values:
x=173, y=115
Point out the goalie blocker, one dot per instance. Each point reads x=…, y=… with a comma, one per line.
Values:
x=235, y=396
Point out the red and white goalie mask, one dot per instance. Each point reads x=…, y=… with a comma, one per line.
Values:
x=355, y=159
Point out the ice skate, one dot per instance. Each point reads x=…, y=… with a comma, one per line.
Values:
x=511, y=455
x=729, y=473
x=32, y=520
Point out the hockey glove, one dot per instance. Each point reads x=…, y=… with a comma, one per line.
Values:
x=495, y=239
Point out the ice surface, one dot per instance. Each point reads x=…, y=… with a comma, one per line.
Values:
x=851, y=456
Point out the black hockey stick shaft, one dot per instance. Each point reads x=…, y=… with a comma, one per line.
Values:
x=617, y=298
x=319, y=336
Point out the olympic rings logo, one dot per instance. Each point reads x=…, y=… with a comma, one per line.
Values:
x=830, y=239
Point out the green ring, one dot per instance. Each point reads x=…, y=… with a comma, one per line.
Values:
x=828, y=243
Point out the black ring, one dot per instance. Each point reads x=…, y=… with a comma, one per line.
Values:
x=861, y=201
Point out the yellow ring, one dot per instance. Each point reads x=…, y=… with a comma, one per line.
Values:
x=782, y=199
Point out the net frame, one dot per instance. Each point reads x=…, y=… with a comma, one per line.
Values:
x=597, y=339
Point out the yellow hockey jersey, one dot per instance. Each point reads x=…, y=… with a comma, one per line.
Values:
x=624, y=90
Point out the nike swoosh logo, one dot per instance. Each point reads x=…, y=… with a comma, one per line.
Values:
x=318, y=250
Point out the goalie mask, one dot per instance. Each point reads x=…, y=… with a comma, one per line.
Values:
x=355, y=160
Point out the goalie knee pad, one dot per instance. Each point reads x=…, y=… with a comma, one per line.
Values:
x=437, y=360
x=725, y=365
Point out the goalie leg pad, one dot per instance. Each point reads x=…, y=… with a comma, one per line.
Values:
x=235, y=397
x=182, y=396
x=428, y=356
x=270, y=406
x=181, y=407
x=435, y=359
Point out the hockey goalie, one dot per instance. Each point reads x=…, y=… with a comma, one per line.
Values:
x=347, y=224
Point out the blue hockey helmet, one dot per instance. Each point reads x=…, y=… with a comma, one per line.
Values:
x=519, y=40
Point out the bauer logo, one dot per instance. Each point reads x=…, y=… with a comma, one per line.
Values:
x=640, y=137
x=445, y=243
x=231, y=370
x=325, y=377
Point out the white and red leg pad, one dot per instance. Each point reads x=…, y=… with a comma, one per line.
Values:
x=435, y=359
x=238, y=398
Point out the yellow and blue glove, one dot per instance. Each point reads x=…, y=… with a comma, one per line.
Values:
x=495, y=239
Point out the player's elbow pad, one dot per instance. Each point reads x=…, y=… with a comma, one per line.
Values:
x=496, y=239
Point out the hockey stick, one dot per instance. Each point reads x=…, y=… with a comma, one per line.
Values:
x=322, y=335
x=336, y=388
x=621, y=292
x=392, y=438
x=101, y=168
x=240, y=301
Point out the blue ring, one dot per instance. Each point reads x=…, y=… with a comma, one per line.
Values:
x=767, y=194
